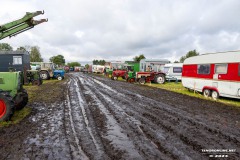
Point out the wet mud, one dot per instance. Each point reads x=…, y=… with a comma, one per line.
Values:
x=98, y=118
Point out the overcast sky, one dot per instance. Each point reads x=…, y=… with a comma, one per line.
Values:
x=83, y=30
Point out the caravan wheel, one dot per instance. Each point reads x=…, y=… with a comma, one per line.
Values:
x=206, y=93
x=215, y=95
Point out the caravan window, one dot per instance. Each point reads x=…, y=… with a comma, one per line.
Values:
x=203, y=69
x=221, y=68
x=177, y=69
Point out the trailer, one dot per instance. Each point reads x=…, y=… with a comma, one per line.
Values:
x=97, y=68
x=18, y=60
x=213, y=74
x=173, y=71
x=155, y=65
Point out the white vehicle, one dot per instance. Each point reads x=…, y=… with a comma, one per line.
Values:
x=213, y=74
x=97, y=68
x=155, y=65
x=173, y=71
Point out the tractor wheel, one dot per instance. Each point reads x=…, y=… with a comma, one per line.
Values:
x=131, y=80
x=142, y=81
x=59, y=78
x=160, y=79
x=44, y=75
x=6, y=107
x=36, y=82
x=21, y=100
x=114, y=78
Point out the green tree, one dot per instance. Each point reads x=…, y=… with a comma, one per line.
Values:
x=189, y=54
x=5, y=47
x=59, y=59
x=99, y=62
x=72, y=64
x=86, y=66
x=21, y=49
x=35, y=55
x=138, y=58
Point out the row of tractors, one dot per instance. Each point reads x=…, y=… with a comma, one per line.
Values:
x=143, y=72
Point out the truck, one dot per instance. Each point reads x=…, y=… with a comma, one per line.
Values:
x=12, y=94
x=213, y=74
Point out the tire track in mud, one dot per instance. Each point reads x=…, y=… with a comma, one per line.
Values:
x=175, y=122
x=113, y=132
x=81, y=132
x=163, y=149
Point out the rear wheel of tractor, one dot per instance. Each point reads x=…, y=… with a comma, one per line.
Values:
x=160, y=79
x=206, y=93
x=44, y=75
x=142, y=81
x=23, y=100
x=6, y=107
x=215, y=95
x=36, y=82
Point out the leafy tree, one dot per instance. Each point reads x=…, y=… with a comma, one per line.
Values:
x=35, y=55
x=21, y=49
x=72, y=64
x=59, y=59
x=138, y=58
x=189, y=54
x=87, y=66
x=99, y=62
x=176, y=62
x=5, y=47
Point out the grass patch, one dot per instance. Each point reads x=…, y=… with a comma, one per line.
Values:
x=43, y=93
x=17, y=117
x=178, y=87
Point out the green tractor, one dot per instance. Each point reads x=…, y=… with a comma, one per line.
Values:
x=12, y=94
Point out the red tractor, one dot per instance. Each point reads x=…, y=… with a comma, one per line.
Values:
x=157, y=77
x=119, y=73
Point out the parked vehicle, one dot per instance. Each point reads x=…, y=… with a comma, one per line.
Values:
x=155, y=65
x=151, y=70
x=97, y=68
x=12, y=94
x=173, y=71
x=47, y=71
x=213, y=74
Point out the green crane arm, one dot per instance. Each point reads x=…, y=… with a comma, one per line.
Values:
x=18, y=26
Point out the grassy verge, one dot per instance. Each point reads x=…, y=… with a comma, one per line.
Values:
x=177, y=87
x=48, y=92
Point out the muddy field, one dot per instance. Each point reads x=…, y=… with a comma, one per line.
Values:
x=91, y=117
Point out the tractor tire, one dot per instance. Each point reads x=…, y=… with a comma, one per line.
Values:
x=36, y=82
x=59, y=78
x=114, y=78
x=6, y=107
x=44, y=75
x=160, y=79
x=142, y=80
x=21, y=100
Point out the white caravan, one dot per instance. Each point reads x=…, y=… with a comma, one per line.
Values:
x=173, y=71
x=214, y=74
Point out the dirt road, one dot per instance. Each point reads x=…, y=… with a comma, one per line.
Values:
x=97, y=118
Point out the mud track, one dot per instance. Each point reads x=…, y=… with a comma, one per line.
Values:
x=97, y=118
